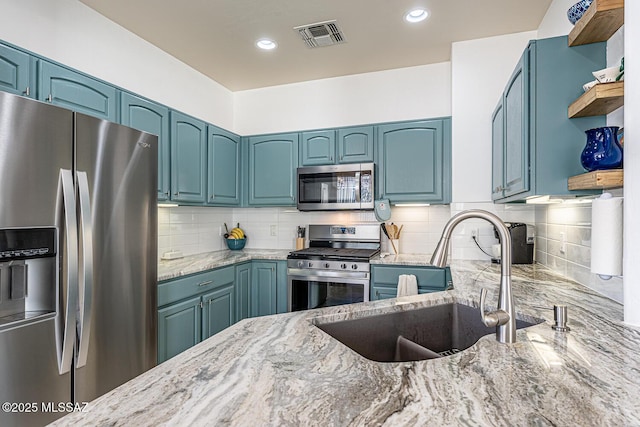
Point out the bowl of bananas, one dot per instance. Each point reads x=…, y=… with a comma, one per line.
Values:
x=236, y=239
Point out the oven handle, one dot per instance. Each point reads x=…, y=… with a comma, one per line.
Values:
x=347, y=277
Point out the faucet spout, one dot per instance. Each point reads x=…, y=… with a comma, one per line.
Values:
x=505, y=315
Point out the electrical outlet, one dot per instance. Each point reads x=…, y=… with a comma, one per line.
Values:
x=273, y=230
x=475, y=233
x=563, y=242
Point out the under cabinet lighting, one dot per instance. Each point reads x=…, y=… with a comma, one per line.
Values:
x=416, y=15
x=167, y=205
x=411, y=204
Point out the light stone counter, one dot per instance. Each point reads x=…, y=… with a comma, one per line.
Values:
x=402, y=259
x=191, y=264
x=282, y=370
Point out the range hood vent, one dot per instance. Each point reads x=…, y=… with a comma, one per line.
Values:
x=321, y=34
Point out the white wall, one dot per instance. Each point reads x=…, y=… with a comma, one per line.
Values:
x=400, y=94
x=75, y=35
x=555, y=21
x=480, y=69
x=632, y=163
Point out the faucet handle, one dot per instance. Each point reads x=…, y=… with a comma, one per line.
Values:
x=493, y=318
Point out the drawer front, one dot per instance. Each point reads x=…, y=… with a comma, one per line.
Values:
x=185, y=287
x=432, y=278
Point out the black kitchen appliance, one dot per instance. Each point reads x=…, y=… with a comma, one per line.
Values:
x=522, y=238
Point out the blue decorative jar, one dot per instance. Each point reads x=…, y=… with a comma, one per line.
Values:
x=603, y=151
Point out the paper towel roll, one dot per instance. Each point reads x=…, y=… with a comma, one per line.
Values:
x=606, y=235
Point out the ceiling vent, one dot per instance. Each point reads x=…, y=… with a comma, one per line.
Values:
x=321, y=34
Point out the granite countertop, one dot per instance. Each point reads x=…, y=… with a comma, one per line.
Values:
x=283, y=370
x=191, y=264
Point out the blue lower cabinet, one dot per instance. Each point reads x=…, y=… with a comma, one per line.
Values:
x=78, y=92
x=384, y=279
x=219, y=310
x=179, y=327
x=282, y=288
x=17, y=72
x=243, y=286
x=193, y=308
x=263, y=290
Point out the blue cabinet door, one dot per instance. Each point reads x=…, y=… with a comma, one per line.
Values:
x=179, y=328
x=273, y=160
x=516, y=131
x=17, y=72
x=188, y=158
x=282, y=288
x=497, y=150
x=318, y=148
x=153, y=118
x=243, y=287
x=414, y=161
x=219, y=310
x=263, y=288
x=223, y=168
x=70, y=89
x=355, y=144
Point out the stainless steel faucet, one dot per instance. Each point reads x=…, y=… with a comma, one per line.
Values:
x=504, y=318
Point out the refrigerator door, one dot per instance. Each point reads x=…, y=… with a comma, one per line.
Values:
x=118, y=254
x=35, y=144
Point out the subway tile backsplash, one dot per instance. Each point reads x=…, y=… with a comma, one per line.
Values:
x=196, y=229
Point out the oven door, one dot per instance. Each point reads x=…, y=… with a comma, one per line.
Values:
x=310, y=289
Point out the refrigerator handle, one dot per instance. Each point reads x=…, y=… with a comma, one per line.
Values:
x=67, y=282
x=86, y=268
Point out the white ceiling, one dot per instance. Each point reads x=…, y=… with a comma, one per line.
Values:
x=217, y=37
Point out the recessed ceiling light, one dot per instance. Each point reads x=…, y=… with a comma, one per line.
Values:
x=266, y=44
x=416, y=15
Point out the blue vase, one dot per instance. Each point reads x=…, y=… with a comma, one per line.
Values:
x=603, y=151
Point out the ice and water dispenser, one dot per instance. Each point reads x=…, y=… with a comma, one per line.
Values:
x=27, y=274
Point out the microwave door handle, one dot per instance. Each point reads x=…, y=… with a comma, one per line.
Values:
x=67, y=282
x=357, y=189
x=86, y=268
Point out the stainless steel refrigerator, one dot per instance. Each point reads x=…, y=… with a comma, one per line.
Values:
x=78, y=258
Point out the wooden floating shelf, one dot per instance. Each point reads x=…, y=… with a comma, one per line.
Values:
x=601, y=99
x=596, y=180
x=599, y=22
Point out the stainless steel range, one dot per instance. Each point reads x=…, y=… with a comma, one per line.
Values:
x=334, y=270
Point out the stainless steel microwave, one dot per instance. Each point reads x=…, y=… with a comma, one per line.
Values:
x=336, y=187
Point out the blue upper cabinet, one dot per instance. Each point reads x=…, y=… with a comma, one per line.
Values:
x=150, y=117
x=318, y=147
x=516, y=142
x=70, y=89
x=414, y=161
x=17, y=72
x=273, y=160
x=223, y=171
x=497, y=150
x=536, y=147
x=355, y=144
x=188, y=158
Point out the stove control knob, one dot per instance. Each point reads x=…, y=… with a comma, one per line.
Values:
x=354, y=266
x=327, y=265
x=343, y=266
x=310, y=265
x=300, y=264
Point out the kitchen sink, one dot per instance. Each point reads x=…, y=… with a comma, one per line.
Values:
x=421, y=334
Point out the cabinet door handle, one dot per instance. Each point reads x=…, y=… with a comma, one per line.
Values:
x=49, y=98
x=208, y=282
x=201, y=304
x=211, y=197
x=27, y=91
x=176, y=194
x=166, y=193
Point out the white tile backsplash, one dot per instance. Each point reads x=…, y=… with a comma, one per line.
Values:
x=197, y=229
x=575, y=262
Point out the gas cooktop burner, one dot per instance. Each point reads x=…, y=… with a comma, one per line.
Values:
x=334, y=253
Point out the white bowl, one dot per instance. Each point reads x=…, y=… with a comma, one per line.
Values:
x=589, y=85
x=607, y=75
